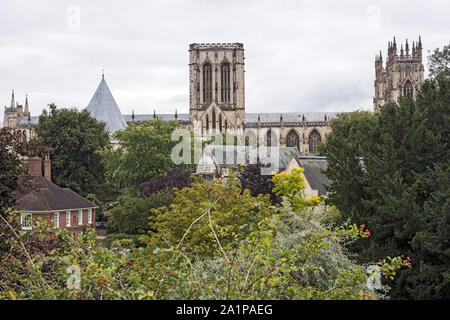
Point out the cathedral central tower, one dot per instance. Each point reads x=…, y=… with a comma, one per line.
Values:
x=217, y=90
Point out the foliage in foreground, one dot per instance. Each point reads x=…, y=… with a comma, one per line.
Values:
x=283, y=255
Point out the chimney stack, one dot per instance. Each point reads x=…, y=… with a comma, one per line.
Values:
x=35, y=167
x=47, y=168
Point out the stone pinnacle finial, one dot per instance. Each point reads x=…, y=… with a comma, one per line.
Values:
x=13, y=104
x=26, y=104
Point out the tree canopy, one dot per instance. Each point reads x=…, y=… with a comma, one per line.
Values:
x=390, y=170
x=176, y=178
x=144, y=153
x=76, y=138
x=251, y=178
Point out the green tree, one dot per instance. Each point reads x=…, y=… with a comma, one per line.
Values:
x=390, y=171
x=439, y=62
x=233, y=213
x=75, y=137
x=144, y=152
x=12, y=149
x=10, y=167
x=131, y=215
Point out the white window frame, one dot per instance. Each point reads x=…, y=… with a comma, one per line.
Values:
x=56, y=219
x=80, y=217
x=67, y=218
x=23, y=214
x=90, y=216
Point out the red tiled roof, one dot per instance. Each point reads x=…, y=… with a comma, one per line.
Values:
x=43, y=195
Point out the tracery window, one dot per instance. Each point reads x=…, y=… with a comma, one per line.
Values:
x=269, y=138
x=292, y=140
x=313, y=140
x=207, y=83
x=225, y=82
x=408, y=89
x=214, y=121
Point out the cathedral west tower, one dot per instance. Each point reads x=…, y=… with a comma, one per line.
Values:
x=217, y=88
x=402, y=76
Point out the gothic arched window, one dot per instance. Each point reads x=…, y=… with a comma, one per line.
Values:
x=207, y=124
x=269, y=138
x=225, y=82
x=313, y=140
x=207, y=83
x=292, y=139
x=213, y=121
x=220, y=123
x=408, y=89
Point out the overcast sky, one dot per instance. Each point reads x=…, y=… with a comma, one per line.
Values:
x=300, y=55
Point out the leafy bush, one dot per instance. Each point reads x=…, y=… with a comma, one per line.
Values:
x=176, y=178
x=221, y=203
x=131, y=214
x=251, y=178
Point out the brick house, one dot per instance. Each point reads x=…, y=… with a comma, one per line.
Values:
x=61, y=207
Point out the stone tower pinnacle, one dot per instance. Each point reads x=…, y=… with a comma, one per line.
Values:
x=402, y=76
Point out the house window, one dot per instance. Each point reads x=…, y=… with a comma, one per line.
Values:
x=26, y=221
x=56, y=219
x=90, y=216
x=68, y=219
x=80, y=217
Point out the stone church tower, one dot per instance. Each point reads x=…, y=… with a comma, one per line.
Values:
x=15, y=112
x=402, y=76
x=18, y=118
x=217, y=90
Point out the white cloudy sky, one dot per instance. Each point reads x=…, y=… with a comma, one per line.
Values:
x=300, y=55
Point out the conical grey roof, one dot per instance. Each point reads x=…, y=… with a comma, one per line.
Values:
x=104, y=108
